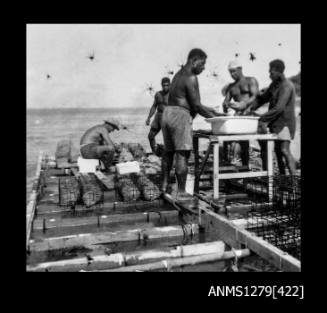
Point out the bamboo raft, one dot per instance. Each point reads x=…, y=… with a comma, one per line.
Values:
x=136, y=236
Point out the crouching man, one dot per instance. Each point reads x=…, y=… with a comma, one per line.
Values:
x=97, y=144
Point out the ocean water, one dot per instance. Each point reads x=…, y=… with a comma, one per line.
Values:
x=45, y=127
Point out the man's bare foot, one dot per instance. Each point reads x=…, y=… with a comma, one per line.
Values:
x=167, y=188
x=184, y=196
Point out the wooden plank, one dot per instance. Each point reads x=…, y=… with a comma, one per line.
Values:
x=52, y=208
x=243, y=175
x=244, y=137
x=30, y=210
x=87, y=239
x=233, y=235
x=191, y=260
x=103, y=219
x=115, y=260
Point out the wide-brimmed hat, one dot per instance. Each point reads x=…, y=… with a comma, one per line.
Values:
x=115, y=123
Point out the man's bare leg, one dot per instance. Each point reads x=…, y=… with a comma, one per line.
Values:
x=106, y=155
x=181, y=174
x=152, y=134
x=279, y=157
x=166, y=164
x=286, y=152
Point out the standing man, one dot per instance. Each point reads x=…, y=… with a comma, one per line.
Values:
x=183, y=105
x=238, y=96
x=280, y=116
x=97, y=144
x=159, y=104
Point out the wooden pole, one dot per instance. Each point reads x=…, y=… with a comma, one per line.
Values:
x=132, y=258
x=191, y=260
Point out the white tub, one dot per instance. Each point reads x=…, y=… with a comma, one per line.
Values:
x=231, y=125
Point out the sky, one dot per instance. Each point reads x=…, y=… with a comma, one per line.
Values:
x=129, y=57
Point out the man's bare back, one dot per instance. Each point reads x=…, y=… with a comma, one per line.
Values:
x=94, y=135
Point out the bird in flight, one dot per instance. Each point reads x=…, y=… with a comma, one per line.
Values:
x=169, y=71
x=91, y=56
x=150, y=89
x=48, y=76
x=237, y=55
x=252, y=56
x=214, y=74
x=280, y=44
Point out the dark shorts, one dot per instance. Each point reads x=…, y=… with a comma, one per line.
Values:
x=156, y=123
x=176, y=126
x=89, y=151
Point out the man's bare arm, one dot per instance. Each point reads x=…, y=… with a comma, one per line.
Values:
x=227, y=101
x=260, y=100
x=152, y=110
x=284, y=95
x=193, y=98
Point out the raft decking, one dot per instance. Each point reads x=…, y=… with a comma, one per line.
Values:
x=136, y=236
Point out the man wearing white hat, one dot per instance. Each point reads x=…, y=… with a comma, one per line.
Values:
x=96, y=142
x=239, y=95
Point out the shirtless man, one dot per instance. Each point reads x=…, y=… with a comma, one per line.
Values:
x=183, y=105
x=280, y=116
x=238, y=95
x=97, y=144
x=160, y=102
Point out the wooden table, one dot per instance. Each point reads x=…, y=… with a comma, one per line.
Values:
x=215, y=141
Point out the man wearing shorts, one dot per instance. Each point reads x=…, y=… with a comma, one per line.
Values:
x=160, y=102
x=280, y=116
x=183, y=105
x=97, y=144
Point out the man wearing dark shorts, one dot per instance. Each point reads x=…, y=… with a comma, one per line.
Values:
x=159, y=104
x=183, y=105
x=280, y=116
x=97, y=144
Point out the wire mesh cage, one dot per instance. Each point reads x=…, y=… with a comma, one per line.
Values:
x=275, y=213
x=69, y=191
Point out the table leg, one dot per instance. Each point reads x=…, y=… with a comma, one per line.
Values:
x=270, y=168
x=216, y=170
x=196, y=164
